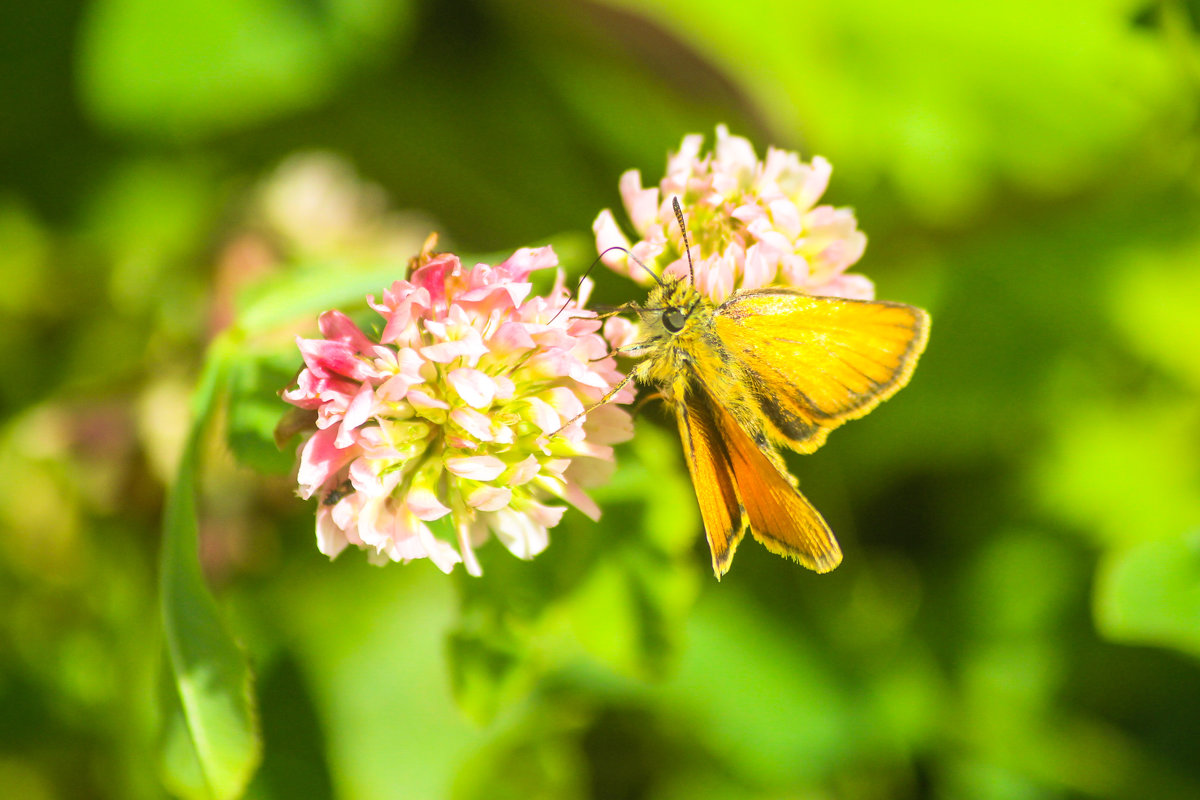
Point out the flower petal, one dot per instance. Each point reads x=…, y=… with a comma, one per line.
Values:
x=477, y=425
x=425, y=505
x=476, y=468
x=474, y=387
x=320, y=460
x=490, y=498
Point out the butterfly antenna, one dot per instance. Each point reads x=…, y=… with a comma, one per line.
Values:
x=638, y=261
x=687, y=247
x=583, y=277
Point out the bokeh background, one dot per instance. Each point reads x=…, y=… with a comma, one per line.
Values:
x=1018, y=613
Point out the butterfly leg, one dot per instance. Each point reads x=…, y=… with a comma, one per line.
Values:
x=637, y=409
x=624, y=349
x=636, y=372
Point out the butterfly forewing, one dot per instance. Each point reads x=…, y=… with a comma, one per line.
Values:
x=811, y=363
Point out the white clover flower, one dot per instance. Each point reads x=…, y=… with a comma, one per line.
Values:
x=751, y=223
x=446, y=414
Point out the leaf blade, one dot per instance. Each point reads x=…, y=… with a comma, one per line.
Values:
x=210, y=672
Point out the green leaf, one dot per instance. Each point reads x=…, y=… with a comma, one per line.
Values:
x=196, y=67
x=255, y=408
x=768, y=705
x=937, y=98
x=210, y=671
x=1153, y=299
x=180, y=768
x=486, y=667
x=617, y=595
x=309, y=289
x=1150, y=594
x=1101, y=461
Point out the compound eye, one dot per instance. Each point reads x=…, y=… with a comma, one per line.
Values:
x=673, y=319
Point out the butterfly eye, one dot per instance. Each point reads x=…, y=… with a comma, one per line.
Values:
x=673, y=319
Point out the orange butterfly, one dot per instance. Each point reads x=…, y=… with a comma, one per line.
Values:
x=767, y=367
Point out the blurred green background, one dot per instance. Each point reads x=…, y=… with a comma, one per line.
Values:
x=1018, y=613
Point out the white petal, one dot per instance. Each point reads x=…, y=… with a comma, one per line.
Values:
x=490, y=498
x=473, y=386
x=476, y=468
x=474, y=423
x=425, y=505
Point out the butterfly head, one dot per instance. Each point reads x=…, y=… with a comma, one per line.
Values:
x=672, y=302
x=671, y=307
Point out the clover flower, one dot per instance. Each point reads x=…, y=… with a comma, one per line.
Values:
x=751, y=223
x=434, y=434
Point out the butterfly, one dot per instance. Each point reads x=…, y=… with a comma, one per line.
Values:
x=766, y=368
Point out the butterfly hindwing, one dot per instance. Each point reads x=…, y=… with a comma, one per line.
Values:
x=779, y=516
x=709, y=464
x=738, y=486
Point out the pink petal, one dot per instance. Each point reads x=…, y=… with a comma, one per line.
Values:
x=525, y=260
x=432, y=276
x=786, y=217
x=549, y=516
x=815, y=183
x=473, y=386
x=689, y=150
x=578, y=498
x=795, y=270
x=490, y=498
x=504, y=387
x=757, y=271
x=609, y=235
x=470, y=346
x=419, y=399
x=360, y=410
x=521, y=535
x=394, y=388
x=377, y=524
x=327, y=358
x=476, y=468
x=589, y=471
x=336, y=326
x=641, y=204
x=717, y=278
x=442, y=554
x=330, y=538
x=468, y=552
x=544, y=416
x=345, y=517
x=425, y=505
x=320, y=460
x=851, y=286
x=474, y=423
x=564, y=401
x=367, y=480
x=621, y=332
x=750, y=213
x=780, y=171
x=511, y=337
x=733, y=153
x=523, y=472
x=401, y=320
x=495, y=295
x=609, y=424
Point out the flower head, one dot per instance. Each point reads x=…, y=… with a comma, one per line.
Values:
x=751, y=223
x=433, y=434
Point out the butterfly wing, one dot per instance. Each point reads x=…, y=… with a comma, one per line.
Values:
x=712, y=476
x=732, y=474
x=812, y=363
x=779, y=516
